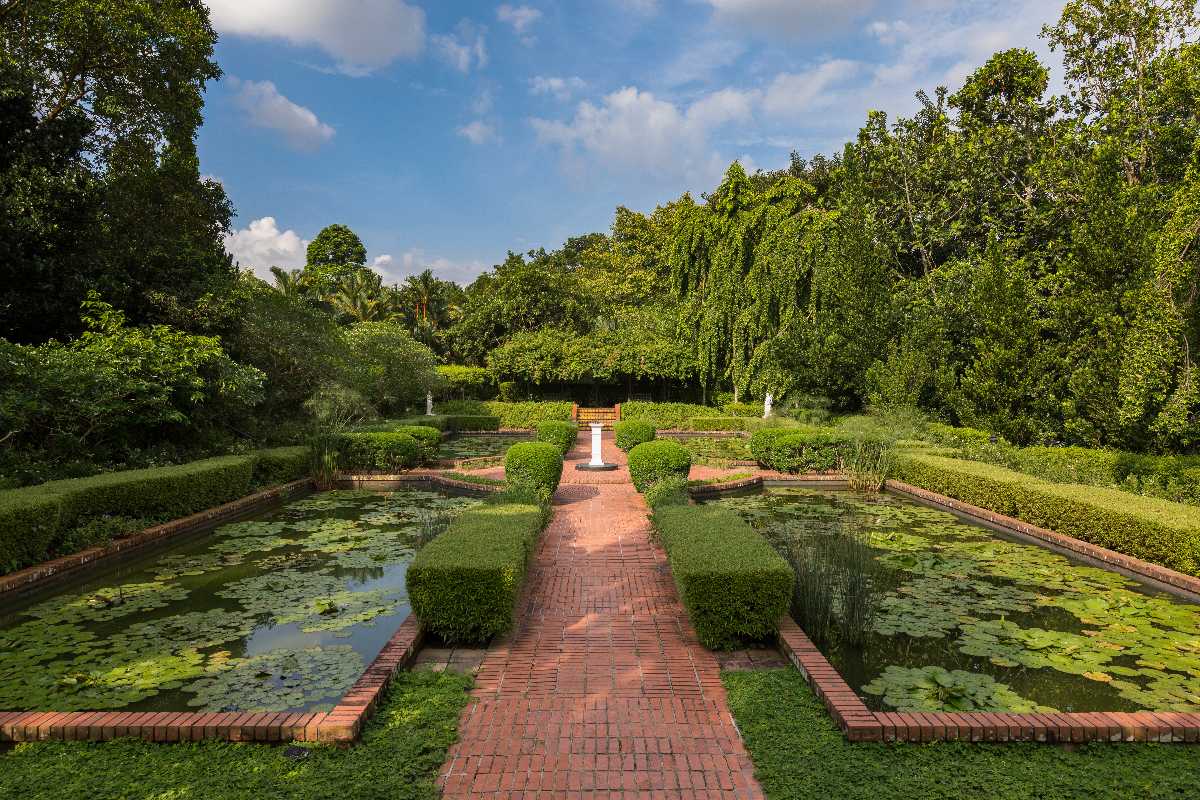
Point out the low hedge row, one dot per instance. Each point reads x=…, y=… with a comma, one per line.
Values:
x=718, y=423
x=1154, y=530
x=651, y=462
x=800, y=449
x=384, y=451
x=37, y=521
x=749, y=410
x=562, y=435
x=734, y=586
x=667, y=416
x=510, y=415
x=629, y=433
x=533, y=469
x=464, y=584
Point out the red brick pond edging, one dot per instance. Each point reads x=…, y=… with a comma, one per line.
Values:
x=341, y=725
x=708, y=491
x=387, y=482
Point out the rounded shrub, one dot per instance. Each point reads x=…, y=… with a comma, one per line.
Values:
x=671, y=491
x=533, y=469
x=560, y=434
x=632, y=432
x=651, y=462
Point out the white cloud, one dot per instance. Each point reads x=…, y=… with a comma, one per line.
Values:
x=521, y=18
x=382, y=263
x=477, y=132
x=701, y=60
x=727, y=105
x=262, y=246
x=415, y=261
x=361, y=35
x=792, y=94
x=265, y=107
x=559, y=88
x=808, y=19
x=465, y=48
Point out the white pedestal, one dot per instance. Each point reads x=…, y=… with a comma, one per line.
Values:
x=597, y=463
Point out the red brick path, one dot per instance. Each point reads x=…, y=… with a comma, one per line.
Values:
x=603, y=691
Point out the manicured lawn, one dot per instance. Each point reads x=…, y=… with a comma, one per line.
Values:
x=798, y=753
x=402, y=750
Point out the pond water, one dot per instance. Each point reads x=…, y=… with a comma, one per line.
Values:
x=479, y=445
x=280, y=613
x=930, y=612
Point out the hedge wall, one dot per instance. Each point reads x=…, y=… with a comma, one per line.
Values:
x=1154, y=530
x=562, y=435
x=629, y=433
x=734, y=586
x=280, y=465
x=511, y=415
x=667, y=416
x=718, y=423
x=651, y=462
x=800, y=449
x=533, y=469
x=464, y=584
x=389, y=451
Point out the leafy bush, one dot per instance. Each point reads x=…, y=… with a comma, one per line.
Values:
x=734, y=586
x=718, y=423
x=511, y=415
x=463, y=422
x=951, y=436
x=629, y=433
x=464, y=584
x=533, y=469
x=464, y=382
x=651, y=462
x=428, y=437
x=280, y=465
x=749, y=410
x=800, y=449
x=666, y=416
x=1153, y=530
x=388, y=366
x=378, y=452
x=562, y=435
x=670, y=491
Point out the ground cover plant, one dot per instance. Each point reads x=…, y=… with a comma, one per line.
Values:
x=799, y=753
x=199, y=627
x=403, y=746
x=920, y=611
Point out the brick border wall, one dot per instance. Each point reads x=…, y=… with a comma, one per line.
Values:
x=341, y=725
x=42, y=575
x=710, y=490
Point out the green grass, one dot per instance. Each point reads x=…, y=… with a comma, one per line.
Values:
x=402, y=749
x=798, y=753
x=482, y=480
x=734, y=476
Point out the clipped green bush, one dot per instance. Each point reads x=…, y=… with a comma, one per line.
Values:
x=428, y=438
x=734, y=586
x=463, y=422
x=950, y=436
x=800, y=449
x=748, y=410
x=511, y=414
x=651, y=462
x=1154, y=530
x=717, y=423
x=533, y=469
x=280, y=465
x=562, y=435
x=667, y=416
x=388, y=451
x=670, y=491
x=464, y=584
x=629, y=433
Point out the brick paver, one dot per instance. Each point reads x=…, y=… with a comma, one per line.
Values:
x=603, y=690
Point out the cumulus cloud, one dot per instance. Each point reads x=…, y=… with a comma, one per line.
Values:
x=262, y=245
x=809, y=19
x=791, y=94
x=383, y=263
x=558, y=88
x=265, y=107
x=521, y=18
x=465, y=48
x=477, y=132
x=416, y=260
x=360, y=35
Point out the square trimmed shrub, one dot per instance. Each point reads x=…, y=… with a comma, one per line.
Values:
x=629, y=433
x=464, y=584
x=465, y=422
x=734, y=586
x=562, y=435
x=533, y=469
x=746, y=410
x=717, y=423
x=278, y=465
x=800, y=449
x=428, y=438
x=1153, y=530
x=667, y=416
x=651, y=462
x=384, y=451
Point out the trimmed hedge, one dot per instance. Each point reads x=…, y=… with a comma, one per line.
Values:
x=629, y=433
x=950, y=436
x=280, y=465
x=1153, y=530
x=464, y=422
x=533, y=469
x=511, y=415
x=429, y=439
x=734, y=586
x=464, y=584
x=651, y=462
x=748, y=410
x=385, y=451
x=667, y=416
x=800, y=449
x=562, y=435
x=718, y=423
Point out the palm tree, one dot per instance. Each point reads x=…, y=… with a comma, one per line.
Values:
x=424, y=294
x=359, y=297
x=289, y=283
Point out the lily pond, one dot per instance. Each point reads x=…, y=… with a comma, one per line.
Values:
x=921, y=610
x=281, y=613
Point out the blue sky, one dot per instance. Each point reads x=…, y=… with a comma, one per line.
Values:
x=448, y=133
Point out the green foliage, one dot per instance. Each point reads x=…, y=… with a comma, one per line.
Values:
x=749, y=410
x=279, y=465
x=1154, y=530
x=798, y=751
x=717, y=423
x=464, y=584
x=464, y=382
x=403, y=747
x=533, y=469
x=670, y=491
x=629, y=433
x=562, y=435
x=465, y=422
x=388, y=367
x=651, y=462
x=511, y=414
x=734, y=586
x=666, y=416
x=800, y=449
x=387, y=452
x=428, y=437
